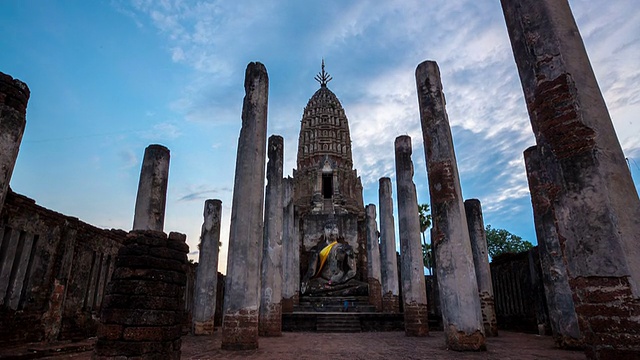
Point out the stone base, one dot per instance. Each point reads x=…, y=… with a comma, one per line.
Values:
x=240, y=330
x=321, y=287
x=270, y=322
x=203, y=327
x=488, y=311
x=568, y=343
x=375, y=293
x=609, y=317
x=460, y=341
x=390, y=303
x=416, y=319
x=142, y=312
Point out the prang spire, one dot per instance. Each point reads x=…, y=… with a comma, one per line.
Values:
x=323, y=77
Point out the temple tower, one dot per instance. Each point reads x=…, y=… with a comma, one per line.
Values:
x=327, y=194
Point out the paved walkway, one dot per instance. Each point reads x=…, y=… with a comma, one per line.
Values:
x=364, y=346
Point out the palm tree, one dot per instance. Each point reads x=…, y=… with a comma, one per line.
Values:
x=425, y=224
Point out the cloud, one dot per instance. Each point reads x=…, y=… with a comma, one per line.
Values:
x=128, y=158
x=162, y=131
x=372, y=49
x=201, y=192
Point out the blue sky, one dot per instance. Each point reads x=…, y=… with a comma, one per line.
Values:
x=108, y=78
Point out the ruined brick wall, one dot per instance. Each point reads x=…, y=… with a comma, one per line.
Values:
x=518, y=292
x=144, y=308
x=53, y=272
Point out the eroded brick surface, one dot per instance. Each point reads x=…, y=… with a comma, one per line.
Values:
x=416, y=319
x=143, y=311
x=240, y=330
x=390, y=303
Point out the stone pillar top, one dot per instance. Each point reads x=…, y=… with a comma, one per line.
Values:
x=13, y=92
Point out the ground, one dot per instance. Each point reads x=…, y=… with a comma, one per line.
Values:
x=353, y=346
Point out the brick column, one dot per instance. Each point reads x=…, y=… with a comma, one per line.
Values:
x=475, y=223
x=290, y=251
x=14, y=96
x=457, y=284
x=270, y=318
x=596, y=207
x=414, y=292
x=242, y=285
x=143, y=310
x=373, y=258
x=388, y=258
x=152, y=189
x=562, y=312
x=206, y=284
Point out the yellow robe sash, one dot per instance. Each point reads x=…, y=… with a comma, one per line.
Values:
x=324, y=254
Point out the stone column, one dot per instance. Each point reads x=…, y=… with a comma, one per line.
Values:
x=373, y=258
x=388, y=259
x=143, y=310
x=152, y=189
x=597, y=207
x=242, y=285
x=206, y=284
x=270, y=318
x=14, y=96
x=562, y=311
x=457, y=284
x=478, y=238
x=414, y=292
x=290, y=251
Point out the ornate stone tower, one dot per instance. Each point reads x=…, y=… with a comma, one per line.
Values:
x=327, y=190
x=325, y=181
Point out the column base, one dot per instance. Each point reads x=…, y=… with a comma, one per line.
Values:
x=240, y=330
x=416, y=322
x=203, y=327
x=460, y=341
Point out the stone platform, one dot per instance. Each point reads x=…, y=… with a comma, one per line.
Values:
x=339, y=314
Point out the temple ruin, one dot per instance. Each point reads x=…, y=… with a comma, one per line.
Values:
x=307, y=255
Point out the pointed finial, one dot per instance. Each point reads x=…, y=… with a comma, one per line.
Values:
x=323, y=77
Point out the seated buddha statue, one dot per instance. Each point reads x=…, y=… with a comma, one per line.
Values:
x=332, y=267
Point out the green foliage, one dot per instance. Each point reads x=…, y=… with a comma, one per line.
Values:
x=425, y=223
x=425, y=217
x=500, y=241
x=426, y=256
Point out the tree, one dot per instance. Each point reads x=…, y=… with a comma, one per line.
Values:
x=425, y=223
x=500, y=241
x=427, y=256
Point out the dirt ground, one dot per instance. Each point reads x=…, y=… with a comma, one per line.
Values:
x=365, y=346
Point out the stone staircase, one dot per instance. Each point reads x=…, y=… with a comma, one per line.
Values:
x=337, y=323
x=357, y=304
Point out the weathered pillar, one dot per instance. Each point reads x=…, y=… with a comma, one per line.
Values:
x=206, y=284
x=152, y=189
x=290, y=251
x=270, y=318
x=562, y=311
x=14, y=96
x=52, y=318
x=597, y=207
x=242, y=286
x=475, y=223
x=373, y=258
x=143, y=310
x=388, y=259
x=457, y=284
x=414, y=292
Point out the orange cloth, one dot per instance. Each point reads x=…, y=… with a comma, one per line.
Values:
x=324, y=254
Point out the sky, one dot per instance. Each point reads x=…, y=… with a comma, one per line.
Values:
x=108, y=78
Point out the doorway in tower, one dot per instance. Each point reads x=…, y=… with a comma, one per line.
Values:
x=327, y=186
